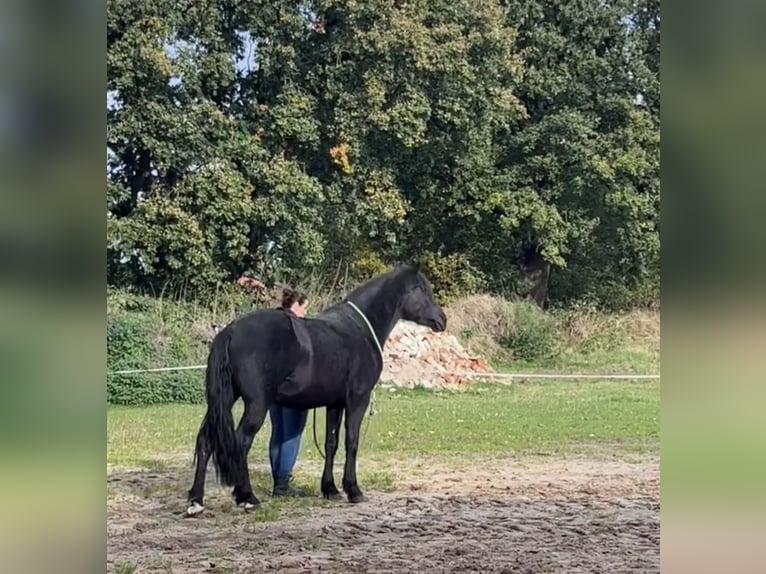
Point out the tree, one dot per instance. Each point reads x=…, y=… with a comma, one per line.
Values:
x=178, y=198
x=494, y=142
x=411, y=97
x=582, y=169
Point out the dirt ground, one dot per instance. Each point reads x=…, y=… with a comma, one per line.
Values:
x=527, y=515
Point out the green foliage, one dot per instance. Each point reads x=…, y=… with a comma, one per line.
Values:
x=535, y=334
x=127, y=341
x=452, y=276
x=160, y=388
x=135, y=341
x=301, y=137
x=367, y=263
x=583, y=168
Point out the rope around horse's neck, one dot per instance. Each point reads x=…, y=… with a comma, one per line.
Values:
x=369, y=326
x=380, y=350
x=372, y=401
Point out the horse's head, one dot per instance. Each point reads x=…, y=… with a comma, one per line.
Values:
x=418, y=304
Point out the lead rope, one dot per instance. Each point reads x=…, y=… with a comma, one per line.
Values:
x=372, y=410
x=316, y=442
x=372, y=331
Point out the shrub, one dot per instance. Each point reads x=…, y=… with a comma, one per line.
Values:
x=452, y=276
x=127, y=341
x=482, y=322
x=156, y=388
x=501, y=330
x=138, y=340
x=534, y=335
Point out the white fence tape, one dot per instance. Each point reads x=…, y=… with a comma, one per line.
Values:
x=471, y=374
x=157, y=370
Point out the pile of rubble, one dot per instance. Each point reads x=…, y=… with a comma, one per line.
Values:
x=415, y=355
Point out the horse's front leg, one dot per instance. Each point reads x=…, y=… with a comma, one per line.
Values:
x=334, y=418
x=354, y=415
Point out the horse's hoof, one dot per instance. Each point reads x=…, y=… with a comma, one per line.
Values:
x=332, y=495
x=249, y=503
x=357, y=498
x=194, y=509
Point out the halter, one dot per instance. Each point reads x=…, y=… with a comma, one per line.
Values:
x=374, y=336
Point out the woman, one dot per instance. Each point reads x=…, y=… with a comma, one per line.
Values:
x=286, y=423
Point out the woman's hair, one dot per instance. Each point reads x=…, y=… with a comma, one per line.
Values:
x=291, y=296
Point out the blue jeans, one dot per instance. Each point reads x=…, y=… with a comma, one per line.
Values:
x=286, y=430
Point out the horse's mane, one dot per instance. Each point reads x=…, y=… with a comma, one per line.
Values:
x=379, y=280
x=373, y=285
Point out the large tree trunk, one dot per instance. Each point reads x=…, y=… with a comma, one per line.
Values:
x=536, y=272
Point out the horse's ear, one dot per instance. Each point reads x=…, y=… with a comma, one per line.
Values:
x=416, y=264
x=404, y=265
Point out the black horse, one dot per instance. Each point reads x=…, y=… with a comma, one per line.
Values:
x=332, y=361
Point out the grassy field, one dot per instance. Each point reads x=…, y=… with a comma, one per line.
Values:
x=613, y=361
x=540, y=417
x=480, y=458
x=453, y=430
x=412, y=430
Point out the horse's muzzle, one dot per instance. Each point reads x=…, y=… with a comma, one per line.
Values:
x=439, y=323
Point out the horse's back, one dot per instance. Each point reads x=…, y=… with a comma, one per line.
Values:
x=300, y=363
x=321, y=370
x=261, y=351
x=264, y=332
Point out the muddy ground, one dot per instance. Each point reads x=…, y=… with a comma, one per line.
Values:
x=496, y=515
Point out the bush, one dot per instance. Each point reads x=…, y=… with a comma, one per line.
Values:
x=481, y=322
x=534, y=335
x=501, y=330
x=156, y=388
x=138, y=340
x=452, y=276
x=127, y=341
x=569, y=287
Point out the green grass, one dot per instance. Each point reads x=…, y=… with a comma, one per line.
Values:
x=602, y=361
x=270, y=510
x=541, y=417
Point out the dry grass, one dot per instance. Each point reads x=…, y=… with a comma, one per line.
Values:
x=636, y=329
x=480, y=313
x=483, y=323
x=641, y=325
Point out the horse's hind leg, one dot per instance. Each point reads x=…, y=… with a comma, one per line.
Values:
x=334, y=418
x=251, y=422
x=197, y=491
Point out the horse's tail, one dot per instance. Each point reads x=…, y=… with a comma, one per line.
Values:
x=218, y=424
